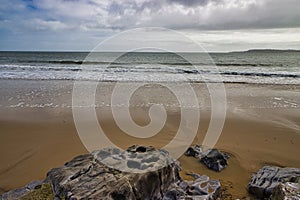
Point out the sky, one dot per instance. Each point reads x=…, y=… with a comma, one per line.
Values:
x=218, y=25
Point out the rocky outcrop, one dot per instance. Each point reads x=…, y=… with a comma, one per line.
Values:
x=133, y=174
x=137, y=173
x=266, y=179
x=286, y=191
x=212, y=158
x=20, y=192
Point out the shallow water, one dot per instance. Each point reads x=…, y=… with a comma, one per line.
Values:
x=246, y=67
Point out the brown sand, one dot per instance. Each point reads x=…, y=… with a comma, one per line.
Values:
x=262, y=127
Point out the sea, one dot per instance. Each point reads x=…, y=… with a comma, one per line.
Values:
x=259, y=67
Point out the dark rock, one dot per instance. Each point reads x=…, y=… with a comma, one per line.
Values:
x=266, y=179
x=286, y=191
x=215, y=160
x=174, y=194
x=140, y=149
x=193, y=151
x=212, y=158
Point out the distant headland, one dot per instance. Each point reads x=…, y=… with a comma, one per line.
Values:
x=268, y=51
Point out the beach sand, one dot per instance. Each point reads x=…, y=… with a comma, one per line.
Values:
x=37, y=130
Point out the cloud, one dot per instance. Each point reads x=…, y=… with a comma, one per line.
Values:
x=105, y=17
x=176, y=14
x=46, y=25
x=192, y=3
x=233, y=40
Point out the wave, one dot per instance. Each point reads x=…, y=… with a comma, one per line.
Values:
x=247, y=64
x=235, y=73
x=262, y=74
x=83, y=62
x=151, y=73
x=36, y=68
x=149, y=69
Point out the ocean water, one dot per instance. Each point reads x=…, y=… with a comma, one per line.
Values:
x=240, y=67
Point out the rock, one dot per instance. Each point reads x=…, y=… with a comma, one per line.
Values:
x=212, y=158
x=200, y=188
x=286, y=191
x=14, y=194
x=20, y=192
x=86, y=177
x=215, y=160
x=140, y=172
x=140, y=149
x=194, y=151
x=266, y=179
x=203, y=187
x=136, y=159
x=137, y=173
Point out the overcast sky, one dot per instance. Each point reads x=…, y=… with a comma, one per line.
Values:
x=219, y=25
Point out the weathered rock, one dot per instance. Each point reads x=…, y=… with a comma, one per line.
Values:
x=212, y=158
x=266, y=179
x=99, y=175
x=200, y=188
x=137, y=159
x=20, y=192
x=138, y=173
x=286, y=191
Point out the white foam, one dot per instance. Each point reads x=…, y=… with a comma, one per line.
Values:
x=17, y=105
x=153, y=73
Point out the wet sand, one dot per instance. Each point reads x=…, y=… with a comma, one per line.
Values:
x=37, y=130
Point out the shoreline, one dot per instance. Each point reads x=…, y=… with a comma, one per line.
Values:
x=153, y=82
x=257, y=132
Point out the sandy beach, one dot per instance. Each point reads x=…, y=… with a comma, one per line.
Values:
x=37, y=130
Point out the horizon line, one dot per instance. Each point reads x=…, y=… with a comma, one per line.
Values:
x=86, y=51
